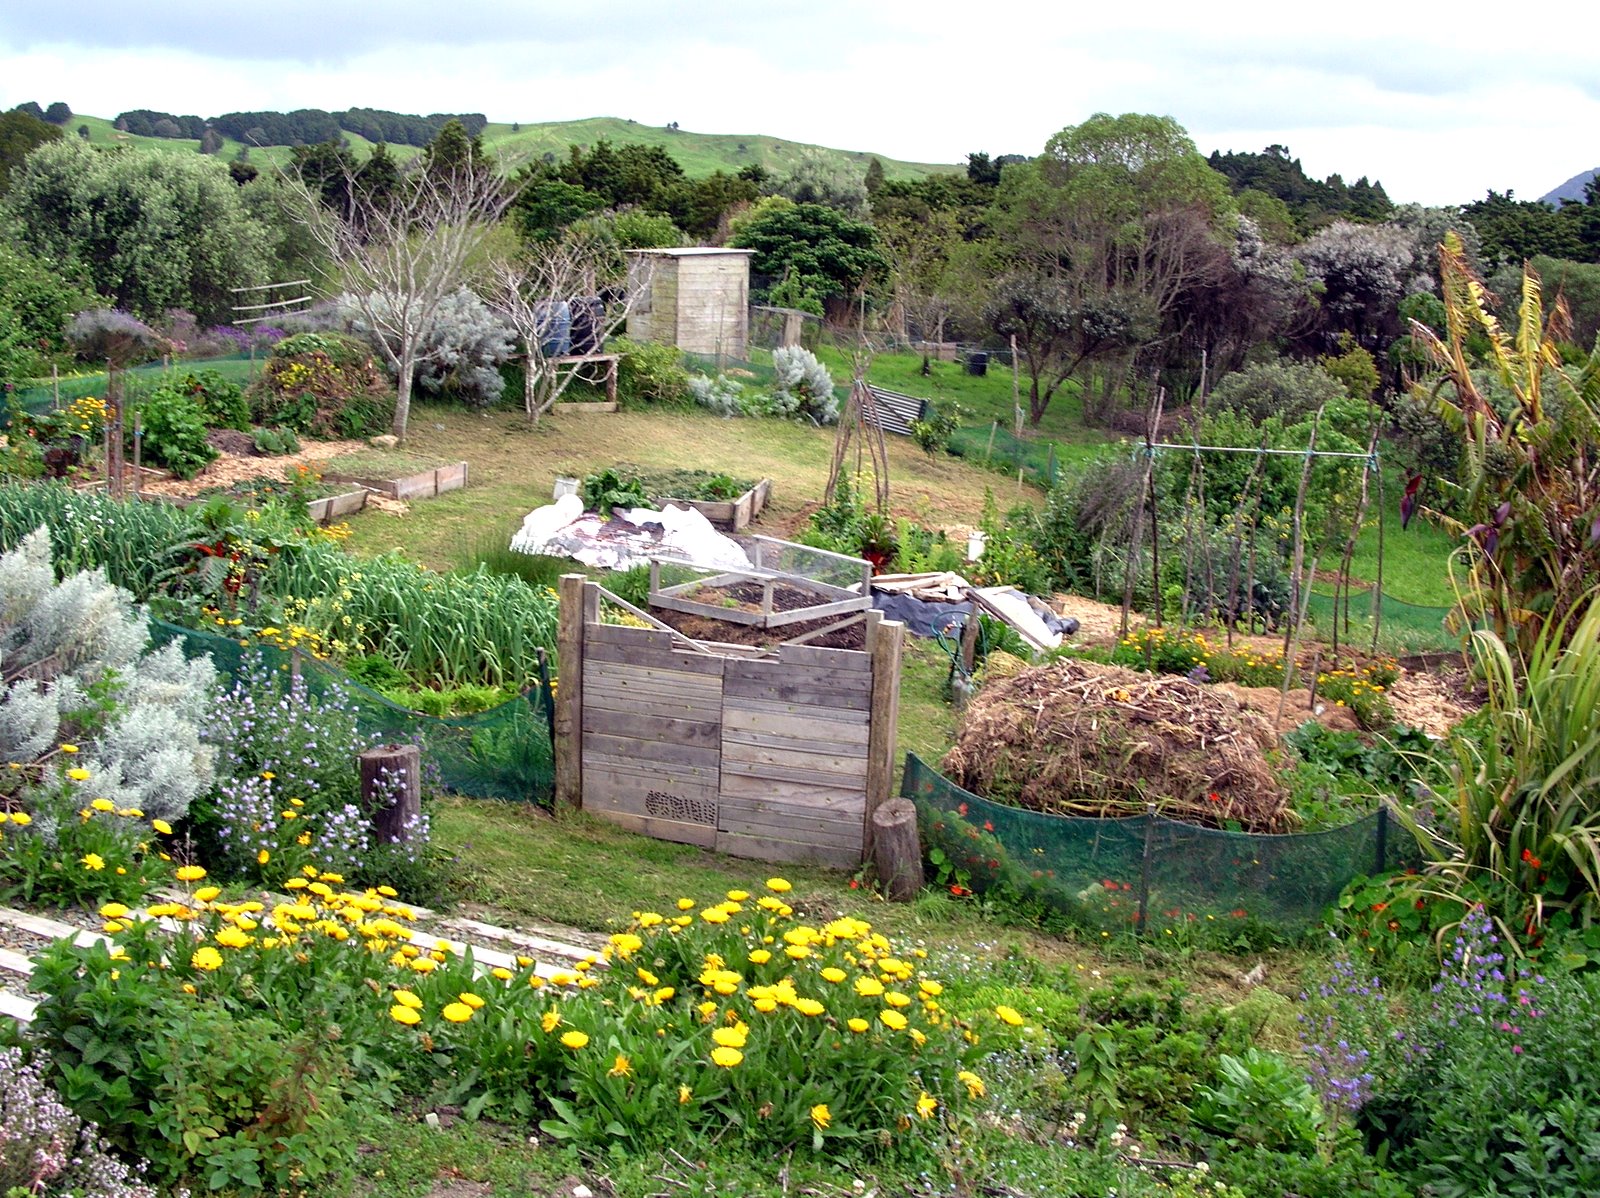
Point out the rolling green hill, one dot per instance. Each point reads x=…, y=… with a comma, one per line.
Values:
x=698, y=153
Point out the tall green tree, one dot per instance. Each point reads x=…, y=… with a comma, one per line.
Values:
x=1105, y=230
x=816, y=249
x=148, y=231
x=20, y=134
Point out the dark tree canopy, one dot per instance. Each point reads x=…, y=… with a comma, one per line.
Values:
x=817, y=248
x=20, y=134
x=1314, y=203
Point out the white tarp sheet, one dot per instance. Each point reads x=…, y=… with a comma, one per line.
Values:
x=630, y=538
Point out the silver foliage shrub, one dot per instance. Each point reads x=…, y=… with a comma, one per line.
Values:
x=803, y=387
x=721, y=395
x=466, y=340
x=65, y=646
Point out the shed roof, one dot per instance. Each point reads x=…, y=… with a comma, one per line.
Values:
x=692, y=251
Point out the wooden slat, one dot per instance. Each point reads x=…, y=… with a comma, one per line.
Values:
x=828, y=659
x=790, y=823
x=666, y=706
x=618, y=674
x=14, y=962
x=819, y=677
x=597, y=744
x=732, y=766
x=765, y=848
x=621, y=634
x=818, y=611
x=539, y=946
x=736, y=750
x=39, y=925
x=810, y=711
x=643, y=656
x=685, y=775
x=14, y=1006
x=626, y=791
x=662, y=829
x=701, y=733
x=800, y=694
x=740, y=786
x=797, y=727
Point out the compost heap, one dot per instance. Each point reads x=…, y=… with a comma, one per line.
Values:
x=1079, y=738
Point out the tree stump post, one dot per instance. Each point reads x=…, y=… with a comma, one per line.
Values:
x=896, y=851
x=391, y=790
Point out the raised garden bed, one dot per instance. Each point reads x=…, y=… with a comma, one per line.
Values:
x=418, y=484
x=786, y=584
x=729, y=503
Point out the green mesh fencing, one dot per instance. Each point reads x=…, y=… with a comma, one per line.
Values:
x=1403, y=627
x=1148, y=872
x=990, y=445
x=502, y=753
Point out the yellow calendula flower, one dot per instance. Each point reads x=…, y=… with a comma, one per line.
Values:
x=726, y=1058
x=895, y=999
x=115, y=911
x=738, y=896
x=869, y=987
x=206, y=958
x=551, y=1020
x=821, y=1116
x=161, y=826
x=778, y=885
x=833, y=974
x=973, y=1083
x=231, y=938
x=714, y=915
x=1009, y=1015
x=424, y=964
x=809, y=1007
x=404, y=1014
x=502, y=973
x=93, y=862
x=78, y=774
x=189, y=873
x=457, y=1012
x=574, y=1039
x=730, y=1037
x=684, y=1094
x=857, y=1025
x=926, y=1105
x=98, y=804
x=471, y=1000
x=621, y=1067
x=760, y=957
x=69, y=748
x=21, y=818
x=685, y=904
x=891, y=1018
x=206, y=893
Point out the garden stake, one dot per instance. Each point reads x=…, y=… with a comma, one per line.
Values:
x=1144, y=867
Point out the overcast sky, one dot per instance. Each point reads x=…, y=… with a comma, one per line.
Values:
x=1437, y=107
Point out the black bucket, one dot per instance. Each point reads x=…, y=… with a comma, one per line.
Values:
x=978, y=362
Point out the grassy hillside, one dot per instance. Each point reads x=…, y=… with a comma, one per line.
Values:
x=698, y=153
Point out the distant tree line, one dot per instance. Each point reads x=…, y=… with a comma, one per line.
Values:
x=302, y=127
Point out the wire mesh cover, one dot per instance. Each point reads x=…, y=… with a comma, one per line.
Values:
x=1097, y=871
x=502, y=753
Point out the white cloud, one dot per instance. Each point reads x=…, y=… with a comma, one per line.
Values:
x=1437, y=111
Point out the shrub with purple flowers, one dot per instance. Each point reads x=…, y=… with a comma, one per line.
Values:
x=45, y=1149
x=288, y=793
x=1494, y=1091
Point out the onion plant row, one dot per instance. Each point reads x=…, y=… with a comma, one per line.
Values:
x=443, y=630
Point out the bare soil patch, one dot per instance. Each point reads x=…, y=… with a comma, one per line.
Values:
x=231, y=468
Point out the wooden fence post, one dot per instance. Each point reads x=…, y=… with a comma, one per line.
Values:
x=569, y=692
x=391, y=790
x=896, y=852
x=884, y=639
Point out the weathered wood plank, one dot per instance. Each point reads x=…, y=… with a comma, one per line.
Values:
x=621, y=783
x=41, y=925
x=733, y=767
x=568, y=747
x=14, y=1006
x=651, y=657
x=796, y=673
x=663, y=829
x=800, y=728
x=739, y=751
x=541, y=946
x=827, y=659
x=701, y=733
x=782, y=708
x=884, y=641
x=740, y=786
x=666, y=706
x=845, y=832
x=804, y=694
x=684, y=680
x=14, y=962
x=652, y=771
x=765, y=848
x=633, y=638
x=658, y=751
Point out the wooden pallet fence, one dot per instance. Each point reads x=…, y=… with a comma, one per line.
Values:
x=778, y=755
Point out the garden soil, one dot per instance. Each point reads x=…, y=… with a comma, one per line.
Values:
x=231, y=468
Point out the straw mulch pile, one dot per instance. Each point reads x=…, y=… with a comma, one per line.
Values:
x=1079, y=738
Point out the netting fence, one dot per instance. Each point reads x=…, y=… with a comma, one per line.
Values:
x=1148, y=873
x=502, y=753
x=40, y=394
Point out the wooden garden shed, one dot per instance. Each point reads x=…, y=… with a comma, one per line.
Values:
x=697, y=299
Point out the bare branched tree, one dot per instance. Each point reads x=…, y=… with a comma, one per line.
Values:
x=400, y=258
x=527, y=289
